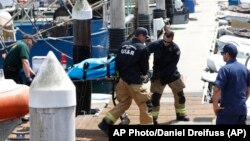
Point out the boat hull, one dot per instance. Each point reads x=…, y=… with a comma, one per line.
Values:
x=14, y=103
x=99, y=43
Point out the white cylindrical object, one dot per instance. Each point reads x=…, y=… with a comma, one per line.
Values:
x=52, y=103
x=160, y=4
x=1, y=75
x=82, y=10
x=52, y=124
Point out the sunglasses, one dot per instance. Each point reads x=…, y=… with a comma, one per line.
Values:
x=168, y=36
x=166, y=42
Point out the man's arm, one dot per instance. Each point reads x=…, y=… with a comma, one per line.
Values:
x=4, y=55
x=216, y=99
x=248, y=92
x=144, y=64
x=27, y=69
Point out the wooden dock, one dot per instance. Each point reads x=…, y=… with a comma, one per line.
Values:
x=86, y=125
x=200, y=114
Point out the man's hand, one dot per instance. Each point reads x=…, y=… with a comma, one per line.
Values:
x=28, y=81
x=145, y=78
x=4, y=55
x=217, y=109
x=216, y=99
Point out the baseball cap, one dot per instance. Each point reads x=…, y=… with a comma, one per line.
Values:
x=141, y=30
x=27, y=36
x=230, y=48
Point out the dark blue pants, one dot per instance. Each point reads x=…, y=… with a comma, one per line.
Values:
x=231, y=119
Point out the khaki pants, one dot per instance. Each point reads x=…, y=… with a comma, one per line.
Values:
x=125, y=94
x=176, y=87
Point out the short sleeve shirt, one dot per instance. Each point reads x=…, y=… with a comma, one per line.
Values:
x=233, y=79
x=16, y=54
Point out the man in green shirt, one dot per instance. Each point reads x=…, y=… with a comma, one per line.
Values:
x=17, y=59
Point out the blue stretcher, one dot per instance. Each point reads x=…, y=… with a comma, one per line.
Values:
x=93, y=68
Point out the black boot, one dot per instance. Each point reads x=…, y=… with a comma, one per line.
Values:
x=104, y=126
x=182, y=118
x=124, y=119
x=155, y=122
x=150, y=106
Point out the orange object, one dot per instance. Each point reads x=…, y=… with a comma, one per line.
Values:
x=14, y=103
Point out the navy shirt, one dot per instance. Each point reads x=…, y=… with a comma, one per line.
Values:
x=132, y=61
x=233, y=79
x=165, y=61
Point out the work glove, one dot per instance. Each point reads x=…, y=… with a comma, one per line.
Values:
x=145, y=78
x=28, y=81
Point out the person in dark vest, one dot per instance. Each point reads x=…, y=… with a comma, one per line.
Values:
x=132, y=65
x=165, y=72
x=17, y=59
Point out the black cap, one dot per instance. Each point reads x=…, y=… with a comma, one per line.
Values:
x=27, y=36
x=230, y=48
x=141, y=30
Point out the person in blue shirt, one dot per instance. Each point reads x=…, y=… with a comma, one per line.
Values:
x=232, y=87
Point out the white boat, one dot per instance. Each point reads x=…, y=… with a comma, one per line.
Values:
x=243, y=44
x=13, y=105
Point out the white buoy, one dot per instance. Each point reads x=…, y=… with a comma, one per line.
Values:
x=52, y=103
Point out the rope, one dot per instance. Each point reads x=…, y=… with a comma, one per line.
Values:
x=47, y=29
x=39, y=32
x=40, y=35
x=57, y=49
x=49, y=43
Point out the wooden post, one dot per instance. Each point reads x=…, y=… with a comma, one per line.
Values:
x=143, y=7
x=159, y=16
x=160, y=11
x=117, y=19
x=117, y=11
x=143, y=14
x=160, y=4
x=82, y=50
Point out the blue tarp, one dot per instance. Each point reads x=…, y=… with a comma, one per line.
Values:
x=93, y=68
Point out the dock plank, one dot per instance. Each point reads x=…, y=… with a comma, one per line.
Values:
x=87, y=129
